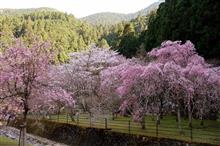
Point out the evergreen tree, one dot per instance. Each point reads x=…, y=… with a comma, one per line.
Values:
x=196, y=20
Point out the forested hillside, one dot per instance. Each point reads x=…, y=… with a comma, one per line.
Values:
x=197, y=21
x=64, y=32
x=26, y=11
x=108, y=18
x=124, y=36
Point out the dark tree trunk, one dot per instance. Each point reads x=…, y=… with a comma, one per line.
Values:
x=190, y=113
x=161, y=109
x=24, y=126
x=157, y=123
x=202, y=122
x=179, y=118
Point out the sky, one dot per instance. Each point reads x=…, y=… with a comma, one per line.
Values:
x=81, y=8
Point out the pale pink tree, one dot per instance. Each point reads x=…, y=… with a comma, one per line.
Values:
x=25, y=81
x=206, y=83
x=82, y=77
x=140, y=87
x=184, y=67
x=111, y=80
x=165, y=79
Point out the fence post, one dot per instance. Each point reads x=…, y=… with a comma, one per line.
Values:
x=191, y=134
x=58, y=116
x=67, y=118
x=129, y=126
x=77, y=119
x=106, y=126
x=90, y=119
x=157, y=123
x=20, y=136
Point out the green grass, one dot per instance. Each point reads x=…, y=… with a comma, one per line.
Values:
x=209, y=133
x=4, y=141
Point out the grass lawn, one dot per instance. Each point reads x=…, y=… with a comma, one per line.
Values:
x=4, y=141
x=209, y=133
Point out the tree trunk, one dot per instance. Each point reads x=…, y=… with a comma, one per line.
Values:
x=72, y=114
x=190, y=118
x=8, y=120
x=58, y=116
x=23, y=129
x=161, y=109
x=202, y=121
x=190, y=114
x=24, y=126
x=201, y=117
x=143, y=122
x=179, y=119
x=157, y=123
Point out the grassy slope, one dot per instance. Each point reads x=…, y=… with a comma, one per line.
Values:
x=209, y=133
x=4, y=141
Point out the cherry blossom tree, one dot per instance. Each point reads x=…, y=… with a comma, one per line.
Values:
x=82, y=77
x=25, y=81
x=176, y=75
x=111, y=80
x=138, y=85
x=199, y=79
x=206, y=83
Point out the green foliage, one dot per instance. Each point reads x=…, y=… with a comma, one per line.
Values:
x=124, y=36
x=108, y=18
x=196, y=20
x=103, y=43
x=64, y=32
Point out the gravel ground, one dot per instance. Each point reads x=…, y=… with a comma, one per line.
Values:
x=13, y=134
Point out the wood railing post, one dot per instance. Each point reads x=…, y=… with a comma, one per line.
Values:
x=67, y=118
x=191, y=132
x=129, y=126
x=106, y=124
x=157, y=124
x=90, y=119
x=77, y=119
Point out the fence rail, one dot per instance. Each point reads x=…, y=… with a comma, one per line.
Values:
x=208, y=133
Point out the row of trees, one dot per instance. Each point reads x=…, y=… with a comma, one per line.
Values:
x=176, y=78
x=187, y=20
x=172, y=77
x=197, y=21
x=124, y=36
x=174, y=20
x=64, y=32
x=27, y=83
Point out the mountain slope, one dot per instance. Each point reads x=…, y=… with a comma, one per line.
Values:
x=7, y=11
x=62, y=31
x=108, y=18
